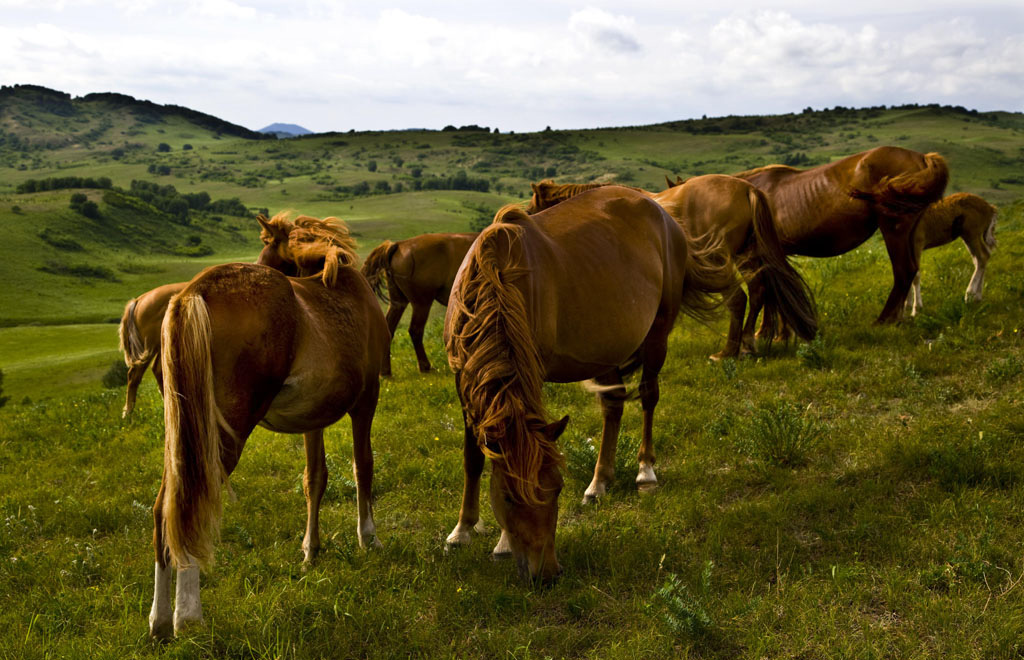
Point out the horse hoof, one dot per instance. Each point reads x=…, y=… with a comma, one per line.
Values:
x=646, y=479
x=184, y=622
x=162, y=631
x=461, y=535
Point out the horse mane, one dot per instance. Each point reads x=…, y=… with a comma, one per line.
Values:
x=317, y=246
x=547, y=193
x=491, y=348
x=764, y=168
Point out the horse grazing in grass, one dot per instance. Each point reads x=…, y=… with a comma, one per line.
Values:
x=962, y=215
x=139, y=335
x=586, y=290
x=139, y=331
x=242, y=345
x=831, y=209
x=418, y=270
x=735, y=216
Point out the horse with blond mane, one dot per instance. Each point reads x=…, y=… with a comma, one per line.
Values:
x=735, y=216
x=139, y=331
x=586, y=290
x=245, y=345
x=828, y=210
x=964, y=216
x=418, y=271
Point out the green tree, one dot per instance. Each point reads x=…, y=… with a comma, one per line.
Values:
x=163, y=147
x=372, y=166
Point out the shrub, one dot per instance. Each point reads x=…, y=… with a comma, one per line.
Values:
x=372, y=166
x=163, y=147
x=116, y=376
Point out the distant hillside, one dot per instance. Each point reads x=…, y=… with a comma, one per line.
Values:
x=34, y=116
x=285, y=130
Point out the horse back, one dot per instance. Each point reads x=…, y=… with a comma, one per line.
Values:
x=424, y=266
x=603, y=266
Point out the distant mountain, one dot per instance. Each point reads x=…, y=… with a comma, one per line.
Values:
x=285, y=130
x=31, y=115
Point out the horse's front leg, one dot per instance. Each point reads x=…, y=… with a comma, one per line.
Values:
x=737, y=306
x=473, y=467
x=612, y=396
x=362, y=464
x=314, y=483
x=898, y=244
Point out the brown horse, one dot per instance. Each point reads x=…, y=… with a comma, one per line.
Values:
x=962, y=215
x=139, y=335
x=244, y=345
x=418, y=270
x=736, y=216
x=588, y=289
x=139, y=331
x=831, y=209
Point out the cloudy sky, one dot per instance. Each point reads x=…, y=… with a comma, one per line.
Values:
x=517, y=65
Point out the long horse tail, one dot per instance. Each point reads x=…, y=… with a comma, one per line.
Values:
x=710, y=277
x=377, y=267
x=192, y=466
x=491, y=348
x=131, y=343
x=990, y=231
x=787, y=295
x=912, y=192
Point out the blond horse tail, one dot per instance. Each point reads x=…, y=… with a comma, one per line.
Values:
x=990, y=231
x=787, y=295
x=491, y=348
x=377, y=267
x=192, y=466
x=130, y=339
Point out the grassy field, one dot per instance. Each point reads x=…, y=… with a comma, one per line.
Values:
x=858, y=496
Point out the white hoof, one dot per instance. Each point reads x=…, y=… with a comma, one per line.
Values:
x=645, y=477
x=595, y=491
x=503, y=550
x=461, y=535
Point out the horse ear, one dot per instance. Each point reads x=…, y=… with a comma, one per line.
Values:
x=535, y=187
x=555, y=429
x=668, y=181
x=679, y=180
x=264, y=222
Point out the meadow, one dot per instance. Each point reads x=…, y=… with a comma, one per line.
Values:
x=858, y=496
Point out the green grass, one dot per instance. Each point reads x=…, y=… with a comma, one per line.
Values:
x=854, y=497
x=899, y=533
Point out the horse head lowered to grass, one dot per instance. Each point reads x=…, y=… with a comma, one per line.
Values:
x=244, y=345
x=586, y=290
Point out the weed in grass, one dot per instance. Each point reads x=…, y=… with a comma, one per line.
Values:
x=779, y=435
x=816, y=354
x=1004, y=370
x=686, y=613
x=581, y=457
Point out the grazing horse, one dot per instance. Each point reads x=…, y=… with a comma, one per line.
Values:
x=242, y=345
x=736, y=216
x=962, y=215
x=417, y=270
x=831, y=209
x=139, y=331
x=139, y=335
x=586, y=290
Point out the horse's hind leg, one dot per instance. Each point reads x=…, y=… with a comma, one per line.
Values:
x=612, y=396
x=980, y=254
x=418, y=322
x=314, y=483
x=163, y=621
x=914, y=302
x=904, y=266
x=362, y=464
x=395, y=310
x=737, y=305
x=655, y=350
x=135, y=373
x=473, y=466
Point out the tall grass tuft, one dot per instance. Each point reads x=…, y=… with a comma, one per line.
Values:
x=779, y=434
x=686, y=613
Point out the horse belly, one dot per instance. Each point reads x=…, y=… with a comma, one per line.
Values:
x=307, y=401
